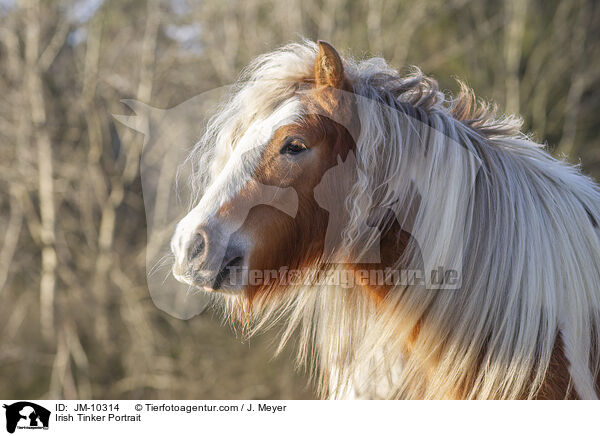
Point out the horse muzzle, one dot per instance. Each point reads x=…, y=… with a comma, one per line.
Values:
x=208, y=257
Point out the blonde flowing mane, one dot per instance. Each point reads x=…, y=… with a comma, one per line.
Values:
x=526, y=223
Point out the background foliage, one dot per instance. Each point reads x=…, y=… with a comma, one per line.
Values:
x=76, y=319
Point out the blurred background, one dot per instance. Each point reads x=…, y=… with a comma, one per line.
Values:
x=76, y=317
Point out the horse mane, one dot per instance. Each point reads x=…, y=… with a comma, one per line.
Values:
x=526, y=221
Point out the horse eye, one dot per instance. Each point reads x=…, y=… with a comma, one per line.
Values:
x=293, y=146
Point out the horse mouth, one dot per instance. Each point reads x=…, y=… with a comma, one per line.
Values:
x=226, y=272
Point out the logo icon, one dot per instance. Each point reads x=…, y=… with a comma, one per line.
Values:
x=26, y=415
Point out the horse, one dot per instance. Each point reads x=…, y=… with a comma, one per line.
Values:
x=321, y=176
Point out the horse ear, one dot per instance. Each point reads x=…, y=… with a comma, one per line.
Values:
x=329, y=70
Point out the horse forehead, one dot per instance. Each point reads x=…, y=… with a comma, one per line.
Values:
x=232, y=172
x=247, y=150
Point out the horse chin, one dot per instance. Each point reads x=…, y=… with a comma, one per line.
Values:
x=225, y=279
x=224, y=291
x=225, y=288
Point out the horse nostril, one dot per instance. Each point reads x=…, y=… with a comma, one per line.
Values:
x=197, y=246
